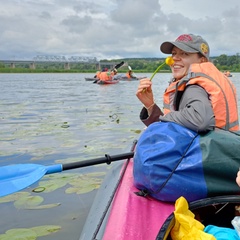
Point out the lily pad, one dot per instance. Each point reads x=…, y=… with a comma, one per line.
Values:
x=52, y=185
x=13, y=197
x=45, y=230
x=29, y=233
x=82, y=189
x=46, y=206
x=80, y=183
x=28, y=202
x=19, y=234
x=137, y=131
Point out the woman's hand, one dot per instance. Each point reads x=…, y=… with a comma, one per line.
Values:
x=144, y=92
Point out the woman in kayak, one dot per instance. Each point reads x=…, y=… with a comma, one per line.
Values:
x=198, y=97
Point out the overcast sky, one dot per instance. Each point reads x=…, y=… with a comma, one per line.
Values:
x=111, y=29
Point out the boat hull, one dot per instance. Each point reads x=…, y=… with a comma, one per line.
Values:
x=107, y=82
x=96, y=221
x=119, y=79
x=132, y=216
x=128, y=216
x=91, y=79
x=130, y=79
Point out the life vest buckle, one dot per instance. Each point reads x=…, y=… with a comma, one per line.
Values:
x=191, y=75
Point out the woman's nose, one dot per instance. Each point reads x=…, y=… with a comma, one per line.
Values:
x=176, y=56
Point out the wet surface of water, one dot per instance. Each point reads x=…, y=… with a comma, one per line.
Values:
x=50, y=118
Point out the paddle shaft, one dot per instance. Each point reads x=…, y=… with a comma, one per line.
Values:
x=107, y=159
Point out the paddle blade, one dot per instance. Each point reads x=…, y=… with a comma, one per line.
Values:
x=119, y=65
x=14, y=178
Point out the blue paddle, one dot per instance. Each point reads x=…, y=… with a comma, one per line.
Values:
x=16, y=177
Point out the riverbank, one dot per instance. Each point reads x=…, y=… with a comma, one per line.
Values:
x=27, y=70
x=139, y=65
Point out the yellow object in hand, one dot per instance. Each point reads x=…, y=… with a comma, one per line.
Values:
x=169, y=61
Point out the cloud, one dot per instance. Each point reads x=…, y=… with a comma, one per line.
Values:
x=76, y=24
x=113, y=28
x=45, y=15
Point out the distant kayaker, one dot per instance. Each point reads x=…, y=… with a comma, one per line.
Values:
x=227, y=73
x=130, y=74
x=198, y=97
x=97, y=75
x=108, y=75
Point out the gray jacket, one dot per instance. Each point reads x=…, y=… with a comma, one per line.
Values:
x=195, y=111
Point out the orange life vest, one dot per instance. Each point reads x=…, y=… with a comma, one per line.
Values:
x=105, y=76
x=98, y=74
x=222, y=94
x=128, y=75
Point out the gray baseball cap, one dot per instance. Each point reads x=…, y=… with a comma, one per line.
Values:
x=189, y=43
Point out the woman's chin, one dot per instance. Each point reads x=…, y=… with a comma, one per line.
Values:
x=178, y=75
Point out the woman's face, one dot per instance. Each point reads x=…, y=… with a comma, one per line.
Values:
x=182, y=62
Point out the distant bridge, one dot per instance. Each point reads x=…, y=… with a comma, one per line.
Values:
x=59, y=59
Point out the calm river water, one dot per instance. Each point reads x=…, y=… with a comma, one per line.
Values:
x=58, y=118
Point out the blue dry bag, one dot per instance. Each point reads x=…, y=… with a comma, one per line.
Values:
x=172, y=161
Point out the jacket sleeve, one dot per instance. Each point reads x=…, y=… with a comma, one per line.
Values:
x=195, y=110
x=154, y=117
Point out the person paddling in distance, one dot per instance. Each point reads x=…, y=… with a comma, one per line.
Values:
x=98, y=73
x=198, y=97
x=130, y=73
x=108, y=76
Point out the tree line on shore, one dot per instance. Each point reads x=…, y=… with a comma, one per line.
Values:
x=145, y=65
